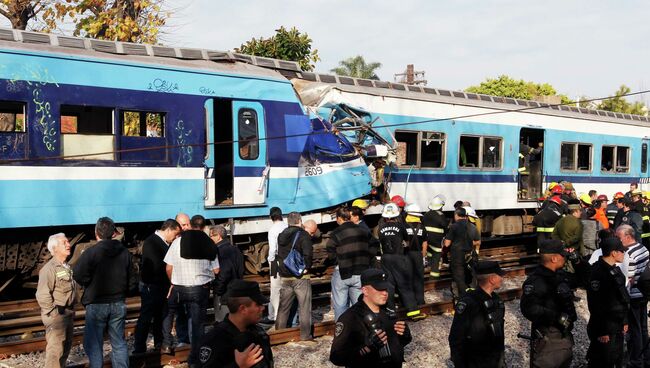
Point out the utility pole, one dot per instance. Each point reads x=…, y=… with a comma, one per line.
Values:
x=411, y=76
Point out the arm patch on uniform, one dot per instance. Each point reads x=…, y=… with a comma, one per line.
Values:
x=339, y=329
x=460, y=307
x=204, y=354
x=529, y=289
x=595, y=285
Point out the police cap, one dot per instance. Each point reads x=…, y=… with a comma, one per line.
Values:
x=552, y=246
x=375, y=278
x=244, y=288
x=488, y=267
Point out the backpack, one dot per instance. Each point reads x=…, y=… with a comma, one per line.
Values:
x=294, y=262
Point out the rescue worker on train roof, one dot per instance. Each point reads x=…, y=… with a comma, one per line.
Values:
x=476, y=338
x=436, y=224
x=548, y=302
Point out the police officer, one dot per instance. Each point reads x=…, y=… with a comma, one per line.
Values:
x=436, y=223
x=392, y=235
x=547, y=302
x=547, y=217
x=368, y=334
x=56, y=295
x=608, y=302
x=476, y=338
x=237, y=341
x=461, y=239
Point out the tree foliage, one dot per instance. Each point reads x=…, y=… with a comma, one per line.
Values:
x=509, y=87
x=357, y=67
x=21, y=12
x=618, y=103
x=286, y=44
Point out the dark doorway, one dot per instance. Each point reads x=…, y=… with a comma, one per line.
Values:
x=223, y=152
x=530, y=168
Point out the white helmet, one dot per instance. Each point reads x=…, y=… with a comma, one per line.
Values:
x=470, y=212
x=437, y=203
x=414, y=209
x=390, y=211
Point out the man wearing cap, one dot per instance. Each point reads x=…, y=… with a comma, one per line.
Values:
x=436, y=223
x=392, y=235
x=547, y=302
x=367, y=334
x=56, y=295
x=476, y=338
x=237, y=341
x=569, y=229
x=461, y=239
x=347, y=247
x=546, y=218
x=608, y=302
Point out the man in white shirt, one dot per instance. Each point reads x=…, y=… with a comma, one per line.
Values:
x=191, y=279
x=276, y=228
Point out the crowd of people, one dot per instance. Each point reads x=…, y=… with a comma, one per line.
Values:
x=583, y=241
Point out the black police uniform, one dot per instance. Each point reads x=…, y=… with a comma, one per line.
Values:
x=416, y=236
x=351, y=337
x=461, y=234
x=392, y=234
x=436, y=224
x=217, y=347
x=545, y=221
x=608, y=302
x=547, y=302
x=476, y=338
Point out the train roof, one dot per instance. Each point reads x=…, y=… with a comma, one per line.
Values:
x=227, y=61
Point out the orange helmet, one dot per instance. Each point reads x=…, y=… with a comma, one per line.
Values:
x=398, y=200
x=619, y=195
x=557, y=189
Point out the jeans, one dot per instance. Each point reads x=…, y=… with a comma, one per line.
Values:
x=344, y=292
x=153, y=307
x=295, y=289
x=98, y=317
x=195, y=301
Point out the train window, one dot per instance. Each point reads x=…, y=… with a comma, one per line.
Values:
x=87, y=132
x=615, y=159
x=644, y=158
x=407, y=148
x=480, y=152
x=432, y=150
x=249, y=144
x=12, y=116
x=491, y=153
x=86, y=120
x=143, y=124
x=575, y=157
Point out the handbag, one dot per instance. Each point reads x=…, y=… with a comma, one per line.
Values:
x=294, y=262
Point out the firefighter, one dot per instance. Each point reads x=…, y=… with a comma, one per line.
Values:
x=525, y=154
x=613, y=208
x=416, y=249
x=436, y=223
x=546, y=219
x=642, y=209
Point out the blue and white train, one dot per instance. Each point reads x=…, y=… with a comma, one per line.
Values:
x=92, y=128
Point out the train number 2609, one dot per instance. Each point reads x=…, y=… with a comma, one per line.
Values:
x=313, y=170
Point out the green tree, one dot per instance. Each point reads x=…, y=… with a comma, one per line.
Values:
x=509, y=87
x=618, y=103
x=117, y=20
x=357, y=67
x=286, y=44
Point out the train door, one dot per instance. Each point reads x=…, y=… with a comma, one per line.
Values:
x=236, y=170
x=530, y=160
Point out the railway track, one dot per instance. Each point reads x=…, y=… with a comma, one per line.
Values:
x=23, y=317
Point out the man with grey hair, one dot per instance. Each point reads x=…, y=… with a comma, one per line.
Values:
x=231, y=267
x=296, y=286
x=56, y=295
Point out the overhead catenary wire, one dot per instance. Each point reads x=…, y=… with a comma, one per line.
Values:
x=410, y=123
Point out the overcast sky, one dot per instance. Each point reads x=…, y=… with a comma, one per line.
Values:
x=587, y=47
x=581, y=47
